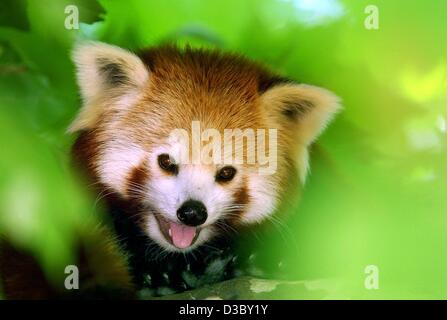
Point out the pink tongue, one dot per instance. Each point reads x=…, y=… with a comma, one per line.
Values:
x=182, y=236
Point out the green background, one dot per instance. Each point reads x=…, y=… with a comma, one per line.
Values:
x=376, y=194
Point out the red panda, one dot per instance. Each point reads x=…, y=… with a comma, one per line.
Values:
x=132, y=105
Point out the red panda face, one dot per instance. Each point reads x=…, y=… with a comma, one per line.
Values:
x=202, y=142
x=188, y=204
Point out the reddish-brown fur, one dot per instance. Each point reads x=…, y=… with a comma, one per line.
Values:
x=221, y=91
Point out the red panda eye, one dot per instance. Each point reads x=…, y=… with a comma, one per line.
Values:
x=225, y=174
x=165, y=162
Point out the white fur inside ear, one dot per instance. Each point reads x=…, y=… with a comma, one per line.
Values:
x=96, y=64
x=87, y=56
x=318, y=108
x=325, y=106
x=310, y=110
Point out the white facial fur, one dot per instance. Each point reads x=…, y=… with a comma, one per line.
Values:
x=165, y=193
x=117, y=162
x=314, y=108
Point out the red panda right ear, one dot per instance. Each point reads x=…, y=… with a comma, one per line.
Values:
x=303, y=112
x=106, y=75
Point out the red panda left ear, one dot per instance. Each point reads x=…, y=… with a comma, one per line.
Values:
x=305, y=109
x=302, y=112
x=108, y=77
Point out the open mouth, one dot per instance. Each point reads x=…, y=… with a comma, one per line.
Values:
x=177, y=234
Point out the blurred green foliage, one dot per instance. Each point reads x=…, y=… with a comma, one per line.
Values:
x=376, y=193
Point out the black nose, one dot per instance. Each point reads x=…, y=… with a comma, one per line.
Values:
x=192, y=213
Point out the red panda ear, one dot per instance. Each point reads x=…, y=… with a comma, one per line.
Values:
x=304, y=109
x=105, y=74
x=302, y=112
